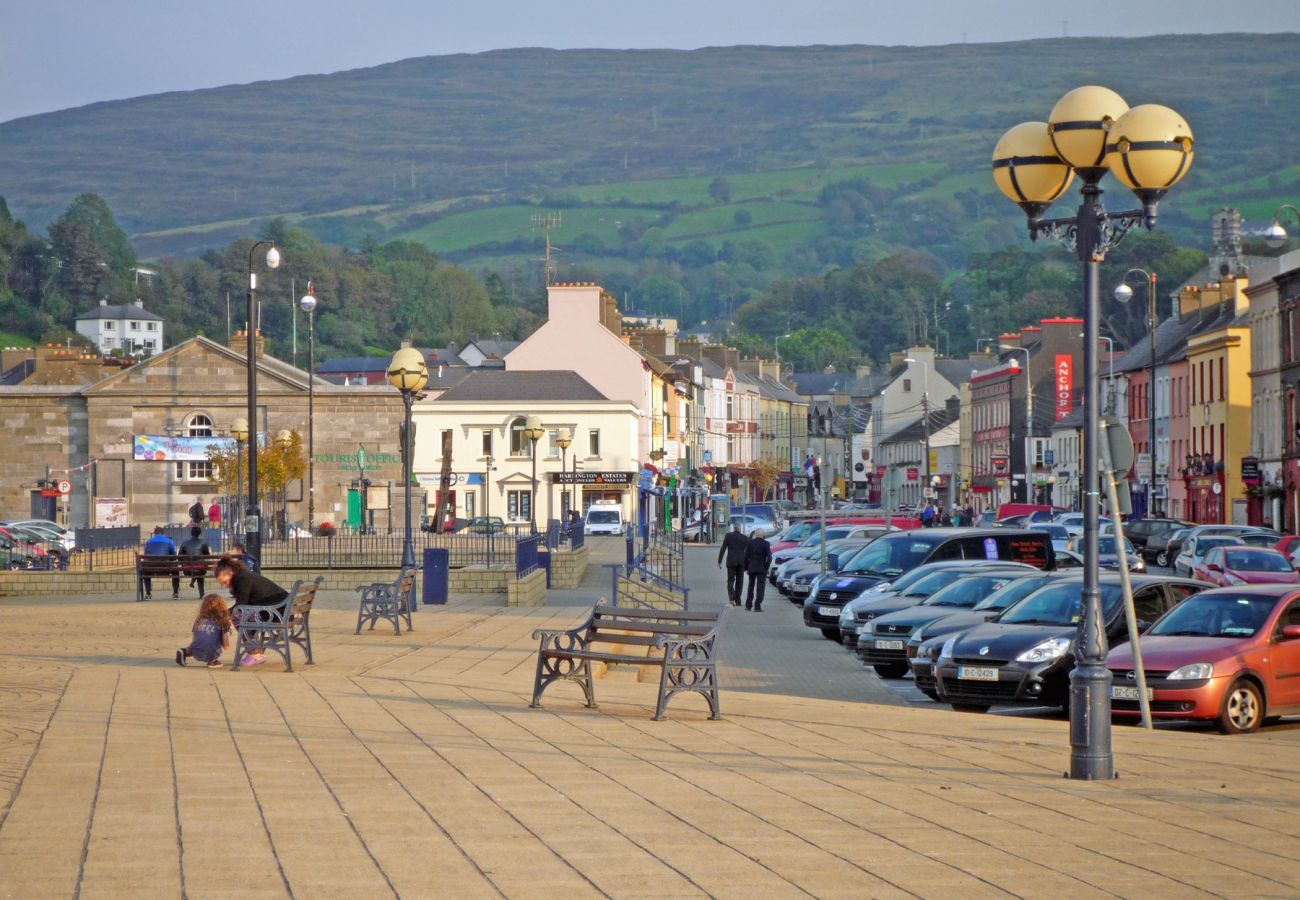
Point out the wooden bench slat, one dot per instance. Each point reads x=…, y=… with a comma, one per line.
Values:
x=654, y=613
x=596, y=656
x=691, y=630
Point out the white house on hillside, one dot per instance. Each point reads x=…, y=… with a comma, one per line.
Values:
x=131, y=329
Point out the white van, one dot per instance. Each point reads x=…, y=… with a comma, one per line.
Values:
x=604, y=517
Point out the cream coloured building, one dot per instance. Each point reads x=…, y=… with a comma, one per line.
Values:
x=492, y=461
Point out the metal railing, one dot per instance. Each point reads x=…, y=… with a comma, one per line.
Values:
x=526, y=550
x=635, y=586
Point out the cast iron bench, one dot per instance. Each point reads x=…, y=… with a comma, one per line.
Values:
x=388, y=601
x=166, y=566
x=684, y=645
x=287, y=623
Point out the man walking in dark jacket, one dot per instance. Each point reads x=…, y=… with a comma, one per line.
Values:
x=758, y=556
x=733, y=548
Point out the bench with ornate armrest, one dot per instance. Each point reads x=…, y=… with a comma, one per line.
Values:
x=167, y=566
x=388, y=600
x=682, y=644
x=285, y=624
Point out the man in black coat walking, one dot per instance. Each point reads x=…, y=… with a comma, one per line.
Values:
x=733, y=548
x=758, y=556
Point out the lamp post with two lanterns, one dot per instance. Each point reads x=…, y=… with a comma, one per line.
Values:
x=252, y=517
x=1092, y=131
x=408, y=373
x=533, y=431
x=565, y=440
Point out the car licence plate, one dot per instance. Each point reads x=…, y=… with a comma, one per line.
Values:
x=977, y=673
x=889, y=645
x=1124, y=692
x=828, y=611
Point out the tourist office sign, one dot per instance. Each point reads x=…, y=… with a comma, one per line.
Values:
x=614, y=478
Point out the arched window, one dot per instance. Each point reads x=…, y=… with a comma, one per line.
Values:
x=519, y=445
x=199, y=425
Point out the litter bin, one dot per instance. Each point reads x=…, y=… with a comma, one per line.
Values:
x=437, y=575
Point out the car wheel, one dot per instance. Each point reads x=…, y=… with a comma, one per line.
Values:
x=1162, y=559
x=933, y=695
x=1243, y=708
x=831, y=634
x=890, y=670
x=970, y=707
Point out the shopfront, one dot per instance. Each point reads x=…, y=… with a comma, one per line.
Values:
x=1205, y=498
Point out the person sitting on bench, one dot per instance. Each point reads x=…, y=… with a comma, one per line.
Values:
x=196, y=546
x=160, y=545
x=249, y=590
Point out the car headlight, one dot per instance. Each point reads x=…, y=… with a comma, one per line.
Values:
x=1192, y=672
x=926, y=652
x=1138, y=565
x=946, y=651
x=1050, y=649
x=878, y=588
x=867, y=628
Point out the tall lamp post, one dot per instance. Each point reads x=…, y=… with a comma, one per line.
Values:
x=925, y=415
x=1124, y=293
x=408, y=373
x=1148, y=148
x=1275, y=235
x=533, y=430
x=308, y=305
x=1029, y=407
x=565, y=440
x=252, y=517
x=239, y=431
x=284, y=439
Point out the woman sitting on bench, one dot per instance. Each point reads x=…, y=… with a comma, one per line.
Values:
x=248, y=589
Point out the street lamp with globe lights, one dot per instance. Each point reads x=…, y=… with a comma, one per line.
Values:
x=408, y=373
x=1124, y=293
x=533, y=430
x=252, y=517
x=565, y=440
x=284, y=440
x=1149, y=148
x=308, y=305
x=1275, y=235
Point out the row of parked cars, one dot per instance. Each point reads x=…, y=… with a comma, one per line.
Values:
x=988, y=616
x=34, y=544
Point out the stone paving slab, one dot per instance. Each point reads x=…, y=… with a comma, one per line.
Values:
x=412, y=766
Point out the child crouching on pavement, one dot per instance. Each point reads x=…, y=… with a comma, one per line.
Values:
x=211, y=633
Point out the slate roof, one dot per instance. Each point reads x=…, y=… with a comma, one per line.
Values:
x=498, y=349
x=495, y=385
x=915, y=431
x=128, y=311
x=811, y=383
x=957, y=371
x=1172, y=336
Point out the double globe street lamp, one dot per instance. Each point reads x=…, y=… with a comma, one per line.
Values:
x=408, y=373
x=1092, y=131
x=533, y=431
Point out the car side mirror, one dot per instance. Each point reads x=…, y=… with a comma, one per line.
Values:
x=1143, y=626
x=990, y=617
x=1290, y=632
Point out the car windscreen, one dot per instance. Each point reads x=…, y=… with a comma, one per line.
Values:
x=1011, y=593
x=602, y=517
x=1057, y=532
x=1256, y=561
x=967, y=590
x=894, y=554
x=1106, y=546
x=1225, y=615
x=1059, y=604
x=1206, y=544
x=800, y=531
x=924, y=587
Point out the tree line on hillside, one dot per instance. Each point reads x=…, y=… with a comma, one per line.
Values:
x=367, y=298
x=372, y=296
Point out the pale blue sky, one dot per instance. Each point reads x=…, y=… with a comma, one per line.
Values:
x=60, y=53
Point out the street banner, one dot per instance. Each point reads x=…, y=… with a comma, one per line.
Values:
x=169, y=448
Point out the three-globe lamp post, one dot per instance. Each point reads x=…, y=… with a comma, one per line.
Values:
x=533, y=431
x=408, y=373
x=252, y=517
x=1092, y=131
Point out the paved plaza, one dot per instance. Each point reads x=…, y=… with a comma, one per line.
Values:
x=412, y=766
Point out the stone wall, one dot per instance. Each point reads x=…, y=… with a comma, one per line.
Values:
x=568, y=567
x=649, y=594
x=527, y=591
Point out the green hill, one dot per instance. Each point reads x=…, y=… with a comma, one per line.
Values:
x=377, y=148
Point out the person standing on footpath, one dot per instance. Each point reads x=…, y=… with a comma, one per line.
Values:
x=758, y=557
x=733, y=548
x=197, y=513
x=214, y=513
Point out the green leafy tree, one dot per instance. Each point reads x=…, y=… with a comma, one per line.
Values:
x=720, y=190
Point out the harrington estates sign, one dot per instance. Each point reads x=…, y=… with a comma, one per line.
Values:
x=593, y=477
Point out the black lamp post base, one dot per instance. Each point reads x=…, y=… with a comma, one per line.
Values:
x=1091, y=758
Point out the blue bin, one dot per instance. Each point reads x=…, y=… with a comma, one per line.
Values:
x=437, y=575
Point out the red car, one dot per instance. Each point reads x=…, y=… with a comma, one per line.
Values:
x=1227, y=655
x=1238, y=564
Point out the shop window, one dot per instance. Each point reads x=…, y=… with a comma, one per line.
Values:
x=519, y=505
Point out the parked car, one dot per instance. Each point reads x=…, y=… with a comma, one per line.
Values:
x=1141, y=530
x=797, y=579
x=1260, y=538
x=1164, y=548
x=1237, y=565
x=1068, y=559
x=916, y=585
x=927, y=637
x=752, y=522
x=1073, y=522
x=48, y=531
x=603, y=518
x=1197, y=545
x=45, y=543
x=882, y=641
x=794, y=534
x=1060, y=537
x=1024, y=656
x=16, y=554
x=1228, y=655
